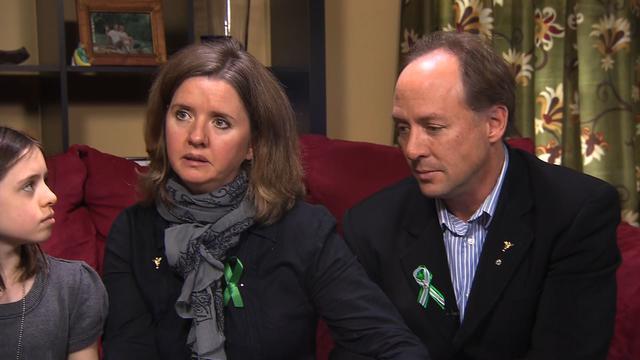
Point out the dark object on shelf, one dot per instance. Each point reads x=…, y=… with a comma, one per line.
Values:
x=13, y=56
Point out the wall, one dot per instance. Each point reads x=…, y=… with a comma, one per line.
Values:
x=115, y=128
x=19, y=14
x=14, y=15
x=119, y=130
x=361, y=59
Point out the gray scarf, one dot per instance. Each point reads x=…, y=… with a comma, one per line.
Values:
x=203, y=228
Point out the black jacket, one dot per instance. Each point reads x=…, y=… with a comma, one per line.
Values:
x=294, y=271
x=551, y=295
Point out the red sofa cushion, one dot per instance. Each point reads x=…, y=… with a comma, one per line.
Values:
x=524, y=144
x=110, y=187
x=625, y=344
x=93, y=188
x=339, y=173
x=73, y=235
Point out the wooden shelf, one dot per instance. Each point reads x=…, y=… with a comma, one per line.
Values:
x=51, y=89
x=113, y=69
x=36, y=69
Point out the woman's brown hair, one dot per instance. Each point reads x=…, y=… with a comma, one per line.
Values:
x=275, y=172
x=14, y=146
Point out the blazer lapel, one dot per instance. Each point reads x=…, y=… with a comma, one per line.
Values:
x=425, y=246
x=255, y=244
x=508, y=239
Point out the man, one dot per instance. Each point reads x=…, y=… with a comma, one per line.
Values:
x=487, y=252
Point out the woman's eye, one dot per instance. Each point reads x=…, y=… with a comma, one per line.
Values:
x=221, y=123
x=182, y=115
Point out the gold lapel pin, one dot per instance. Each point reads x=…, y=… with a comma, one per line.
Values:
x=157, y=261
x=507, y=246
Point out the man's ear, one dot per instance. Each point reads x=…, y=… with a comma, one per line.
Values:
x=498, y=117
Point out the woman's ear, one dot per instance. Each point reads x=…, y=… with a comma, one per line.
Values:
x=249, y=156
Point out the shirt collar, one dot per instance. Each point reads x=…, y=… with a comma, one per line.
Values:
x=485, y=212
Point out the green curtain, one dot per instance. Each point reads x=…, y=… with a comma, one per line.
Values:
x=577, y=68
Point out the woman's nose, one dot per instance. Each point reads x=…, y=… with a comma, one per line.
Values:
x=197, y=134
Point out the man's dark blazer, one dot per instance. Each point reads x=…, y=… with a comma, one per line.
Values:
x=549, y=296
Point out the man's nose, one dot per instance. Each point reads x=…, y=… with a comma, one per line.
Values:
x=416, y=145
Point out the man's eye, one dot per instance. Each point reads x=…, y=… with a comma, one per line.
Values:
x=432, y=128
x=402, y=129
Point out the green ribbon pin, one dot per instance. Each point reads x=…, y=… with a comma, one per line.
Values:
x=423, y=278
x=231, y=277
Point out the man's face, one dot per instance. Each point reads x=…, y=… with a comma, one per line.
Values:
x=447, y=145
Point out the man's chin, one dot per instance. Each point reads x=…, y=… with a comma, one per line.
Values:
x=431, y=190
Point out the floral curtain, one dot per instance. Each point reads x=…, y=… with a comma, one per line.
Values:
x=577, y=68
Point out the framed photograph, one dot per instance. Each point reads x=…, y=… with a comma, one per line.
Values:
x=122, y=32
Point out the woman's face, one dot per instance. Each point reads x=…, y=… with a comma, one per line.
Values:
x=26, y=202
x=208, y=134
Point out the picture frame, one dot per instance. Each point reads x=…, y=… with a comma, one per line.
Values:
x=122, y=32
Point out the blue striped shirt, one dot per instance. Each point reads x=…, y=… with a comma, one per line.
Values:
x=463, y=240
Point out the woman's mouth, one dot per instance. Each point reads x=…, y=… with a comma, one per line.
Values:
x=198, y=159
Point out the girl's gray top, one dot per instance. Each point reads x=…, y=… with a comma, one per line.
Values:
x=65, y=312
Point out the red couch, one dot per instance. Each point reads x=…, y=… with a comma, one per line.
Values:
x=93, y=187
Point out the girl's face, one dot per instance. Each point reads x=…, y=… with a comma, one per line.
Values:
x=26, y=202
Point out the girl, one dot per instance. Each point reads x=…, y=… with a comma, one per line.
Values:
x=49, y=308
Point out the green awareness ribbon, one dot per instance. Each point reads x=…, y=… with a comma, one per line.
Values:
x=423, y=278
x=231, y=277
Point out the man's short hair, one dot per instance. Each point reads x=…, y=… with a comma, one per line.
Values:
x=487, y=80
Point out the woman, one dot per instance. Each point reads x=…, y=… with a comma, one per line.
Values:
x=222, y=259
x=49, y=308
